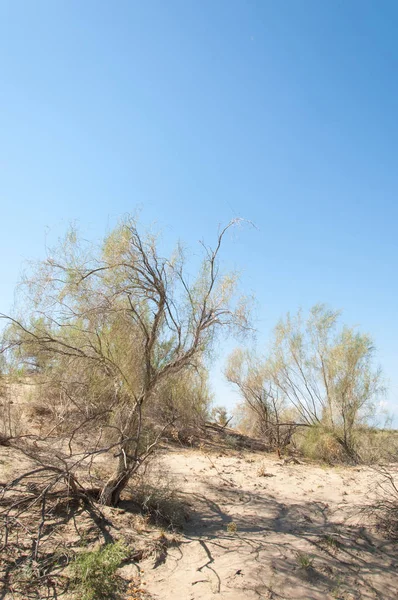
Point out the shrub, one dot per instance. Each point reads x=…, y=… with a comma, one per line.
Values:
x=232, y=527
x=377, y=445
x=318, y=369
x=304, y=561
x=385, y=509
x=318, y=444
x=232, y=441
x=120, y=331
x=94, y=572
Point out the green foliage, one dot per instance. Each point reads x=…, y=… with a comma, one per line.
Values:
x=372, y=445
x=377, y=445
x=304, y=560
x=94, y=573
x=115, y=333
x=185, y=396
x=317, y=443
x=262, y=409
x=322, y=372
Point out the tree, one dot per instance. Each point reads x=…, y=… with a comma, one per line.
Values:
x=322, y=370
x=262, y=399
x=185, y=396
x=110, y=326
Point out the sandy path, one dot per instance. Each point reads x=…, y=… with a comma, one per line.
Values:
x=281, y=512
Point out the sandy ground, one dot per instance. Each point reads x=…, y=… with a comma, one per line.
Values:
x=256, y=524
x=258, y=529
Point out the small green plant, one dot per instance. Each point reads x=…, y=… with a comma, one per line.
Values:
x=94, y=573
x=337, y=591
x=232, y=527
x=84, y=540
x=304, y=560
x=331, y=542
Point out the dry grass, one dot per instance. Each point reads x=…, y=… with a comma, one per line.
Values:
x=384, y=511
x=155, y=497
x=371, y=445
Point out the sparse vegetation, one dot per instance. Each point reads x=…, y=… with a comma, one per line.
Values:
x=318, y=376
x=384, y=510
x=232, y=527
x=232, y=441
x=220, y=416
x=107, y=331
x=94, y=572
x=331, y=542
x=304, y=561
x=155, y=497
x=107, y=361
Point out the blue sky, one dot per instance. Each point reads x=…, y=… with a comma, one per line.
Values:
x=281, y=112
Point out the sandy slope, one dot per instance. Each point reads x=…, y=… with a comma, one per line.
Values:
x=281, y=512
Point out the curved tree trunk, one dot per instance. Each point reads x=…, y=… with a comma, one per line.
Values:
x=110, y=493
x=126, y=466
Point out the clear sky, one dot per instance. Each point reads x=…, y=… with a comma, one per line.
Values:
x=283, y=112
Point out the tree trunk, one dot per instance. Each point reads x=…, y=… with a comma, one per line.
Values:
x=110, y=493
x=128, y=456
x=349, y=450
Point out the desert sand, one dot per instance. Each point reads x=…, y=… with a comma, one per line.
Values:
x=257, y=527
x=260, y=528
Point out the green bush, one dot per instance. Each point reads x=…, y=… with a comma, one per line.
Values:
x=371, y=445
x=304, y=561
x=94, y=573
x=377, y=445
x=319, y=444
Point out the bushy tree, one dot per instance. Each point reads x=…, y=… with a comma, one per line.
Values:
x=323, y=370
x=264, y=406
x=112, y=328
x=186, y=397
